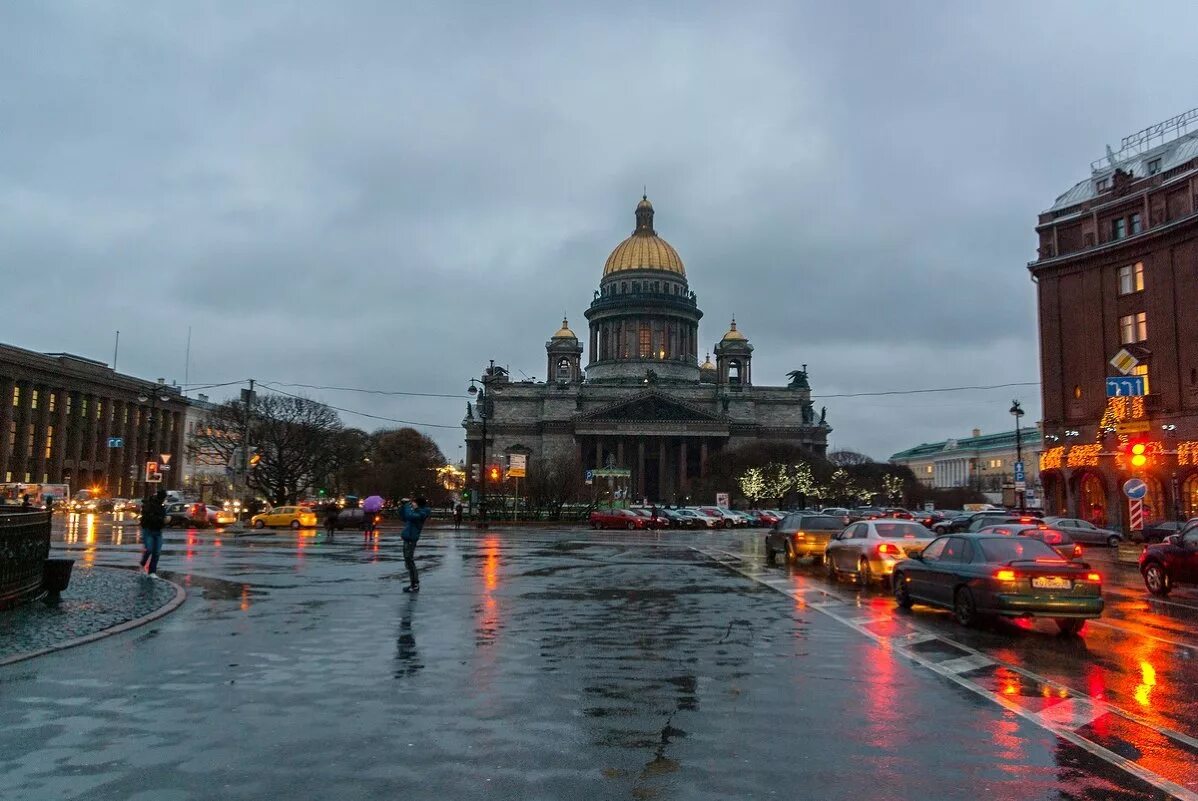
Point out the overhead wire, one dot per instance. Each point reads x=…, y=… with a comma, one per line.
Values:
x=365, y=414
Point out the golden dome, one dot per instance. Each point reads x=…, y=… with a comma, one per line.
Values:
x=564, y=332
x=733, y=334
x=707, y=365
x=644, y=250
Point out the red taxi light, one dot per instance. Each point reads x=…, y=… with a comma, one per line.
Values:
x=1005, y=575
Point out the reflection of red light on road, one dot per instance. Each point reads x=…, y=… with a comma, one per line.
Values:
x=491, y=563
x=1147, y=682
x=245, y=597
x=191, y=542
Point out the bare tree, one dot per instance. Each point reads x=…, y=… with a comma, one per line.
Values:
x=554, y=482
x=293, y=437
x=846, y=458
x=404, y=463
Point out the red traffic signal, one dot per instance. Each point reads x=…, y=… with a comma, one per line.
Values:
x=494, y=472
x=1136, y=452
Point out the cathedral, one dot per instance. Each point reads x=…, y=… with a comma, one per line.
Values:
x=642, y=402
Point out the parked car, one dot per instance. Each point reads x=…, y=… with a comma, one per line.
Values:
x=727, y=518
x=867, y=513
x=765, y=517
x=845, y=515
x=657, y=520
x=897, y=513
x=618, y=518
x=702, y=520
x=282, y=516
x=869, y=549
x=1174, y=561
x=800, y=534
x=1157, y=532
x=678, y=519
x=1056, y=539
x=1085, y=531
x=980, y=575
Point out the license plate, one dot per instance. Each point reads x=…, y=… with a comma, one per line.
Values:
x=1052, y=583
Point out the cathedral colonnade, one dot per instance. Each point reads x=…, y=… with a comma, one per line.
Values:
x=662, y=465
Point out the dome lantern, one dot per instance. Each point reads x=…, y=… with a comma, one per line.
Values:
x=644, y=250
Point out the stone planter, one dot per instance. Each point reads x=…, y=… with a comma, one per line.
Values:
x=56, y=575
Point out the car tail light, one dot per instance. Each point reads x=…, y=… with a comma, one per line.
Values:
x=887, y=548
x=1005, y=575
x=1077, y=550
x=1094, y=577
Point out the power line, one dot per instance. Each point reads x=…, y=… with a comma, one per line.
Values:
x=922, y=391
x=363, y=414
x=365, y=391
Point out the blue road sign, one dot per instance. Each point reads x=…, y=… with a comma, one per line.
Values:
x=1125, y=386
x=1135, y=489
x=1019, y=475
x=590, y=476
x=116, y=442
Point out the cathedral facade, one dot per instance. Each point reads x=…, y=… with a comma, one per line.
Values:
x=642, y=401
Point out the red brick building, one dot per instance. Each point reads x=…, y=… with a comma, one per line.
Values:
x=1118, y=269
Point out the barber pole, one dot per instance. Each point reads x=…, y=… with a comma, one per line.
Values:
x=1135, y=515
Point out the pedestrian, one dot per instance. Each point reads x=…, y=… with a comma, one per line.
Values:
x=413, y=516
x=457, y=517
x=153, y=518
x=27, y=502
x=330, y=519
x=371, y=507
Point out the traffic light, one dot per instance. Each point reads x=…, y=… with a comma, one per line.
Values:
x=494, y=473
x=1136, y=452
x=255, y=458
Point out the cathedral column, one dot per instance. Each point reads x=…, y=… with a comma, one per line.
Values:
x=598, y=453
x=662, y=470
x=640, y=467
x=703, y=457
x=681, y=467
x=620, y=452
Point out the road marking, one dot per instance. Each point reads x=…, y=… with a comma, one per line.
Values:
x=1063, y=723
x=1104, y=624
x=964, y=664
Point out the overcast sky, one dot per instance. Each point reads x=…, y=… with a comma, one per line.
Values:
x=385, y=195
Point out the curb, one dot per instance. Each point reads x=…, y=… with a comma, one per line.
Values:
x=165, y=609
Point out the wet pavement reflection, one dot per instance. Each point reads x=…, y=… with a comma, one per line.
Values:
x=570, y=664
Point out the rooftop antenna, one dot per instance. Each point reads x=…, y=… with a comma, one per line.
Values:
x=187, y=363
x=115, y=350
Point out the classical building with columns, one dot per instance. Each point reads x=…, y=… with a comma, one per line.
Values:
x=643, y=401
x=65, y=419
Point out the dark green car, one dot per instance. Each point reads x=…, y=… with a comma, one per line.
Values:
x=983, y=575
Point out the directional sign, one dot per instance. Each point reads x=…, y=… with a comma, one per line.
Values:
x=1124, y=362
x=1125, y=386
x=517, y=465
x=1020, y=477
x=1135, y=515
x=1135, y=489
x=1133, y=427
x=116, y=442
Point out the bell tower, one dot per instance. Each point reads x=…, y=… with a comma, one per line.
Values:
x=565, y=357
x=734, y=359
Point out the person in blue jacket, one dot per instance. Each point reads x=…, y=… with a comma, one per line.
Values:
x=413, y=516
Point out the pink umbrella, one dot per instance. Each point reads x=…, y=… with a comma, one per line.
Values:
x=373, y=503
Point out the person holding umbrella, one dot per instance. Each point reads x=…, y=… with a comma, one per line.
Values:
x=370, y=509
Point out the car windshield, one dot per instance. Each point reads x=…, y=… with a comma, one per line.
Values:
x=1002, y=550
x=901, y=530
x=821, y=523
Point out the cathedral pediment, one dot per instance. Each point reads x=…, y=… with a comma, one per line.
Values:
x=651, y=406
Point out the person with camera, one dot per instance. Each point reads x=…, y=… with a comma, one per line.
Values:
x=413, y=515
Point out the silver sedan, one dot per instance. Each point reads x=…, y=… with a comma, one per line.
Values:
x=869, y=549
x=1084, y=532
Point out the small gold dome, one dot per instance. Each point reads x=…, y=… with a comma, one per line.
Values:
x=644, y=250
x=733, y=334
x=707, y=365
x=564, y=332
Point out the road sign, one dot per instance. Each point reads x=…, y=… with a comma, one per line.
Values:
x=721, y=499
x=1020, y=476
x=1135, y=515
x=1133, y=427
x=1135, y=489
x=517, y=465
x=166, y=458
x=1020, y=486
x=929, y=506
x=612, y=472
x=116, y=442
x=1125, y=386
x=1124, y=362
x=590, y=476
x=152, y=474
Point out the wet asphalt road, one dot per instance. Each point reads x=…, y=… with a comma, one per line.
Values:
x=550, y=664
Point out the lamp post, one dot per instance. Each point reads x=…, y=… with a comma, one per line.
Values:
x=152, y=397
x=478, y=389
x=1017, y=410
x=1170, y=432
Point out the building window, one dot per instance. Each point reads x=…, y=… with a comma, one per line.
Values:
x=1136, y=227
x=12, y=435
x=49, y=440
x=1118, y=228
x=646, y=342
x=33, y=399
x=1142, y=371
x=1101, y=184
x=29, y=450
x=930, y=470
x=68, y=404
x=83, y=407
x=1154, y=166
x=1133, y=328
x=99, y=410
x=1131, y=278
x=16, y=395
x=53, y=400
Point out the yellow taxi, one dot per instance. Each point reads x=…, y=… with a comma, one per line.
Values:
x=294, y=516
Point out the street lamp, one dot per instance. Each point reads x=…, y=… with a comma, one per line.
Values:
x=1017, y=411
x=152, y=398
x=478, y=389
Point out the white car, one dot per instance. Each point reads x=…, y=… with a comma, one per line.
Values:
x=705, y=520
x=221, y=517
